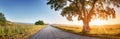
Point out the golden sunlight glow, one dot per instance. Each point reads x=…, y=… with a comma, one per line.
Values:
x=92, y=22
x=97, y=22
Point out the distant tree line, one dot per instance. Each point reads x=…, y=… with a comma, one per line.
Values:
x=39, y=22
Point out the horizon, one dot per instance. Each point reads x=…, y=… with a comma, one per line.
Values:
x=30, y=11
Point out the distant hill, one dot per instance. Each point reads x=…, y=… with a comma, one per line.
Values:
x=22, y=23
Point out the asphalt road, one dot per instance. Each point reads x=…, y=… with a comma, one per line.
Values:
x=53, y=33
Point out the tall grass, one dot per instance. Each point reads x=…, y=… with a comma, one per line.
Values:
x=103, y=31
x=18, y=31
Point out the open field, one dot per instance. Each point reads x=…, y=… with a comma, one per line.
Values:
x=19, y=31
x=103, y=31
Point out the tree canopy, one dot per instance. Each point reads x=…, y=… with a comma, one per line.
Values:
x=98, y=8
x=39, y=22
x=2, y=19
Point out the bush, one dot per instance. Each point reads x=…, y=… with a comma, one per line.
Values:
x=39, y=22
x=2, y=19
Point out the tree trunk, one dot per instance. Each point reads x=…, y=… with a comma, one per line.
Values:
x=86, y=27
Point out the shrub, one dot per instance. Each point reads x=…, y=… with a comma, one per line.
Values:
x=2, y=19
x=39, y=22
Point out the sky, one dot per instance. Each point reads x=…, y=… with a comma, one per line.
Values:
x=30, y=11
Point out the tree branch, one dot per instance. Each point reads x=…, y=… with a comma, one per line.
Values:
x=91, y=11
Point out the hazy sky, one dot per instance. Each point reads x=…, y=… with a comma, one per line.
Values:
x=29, y=11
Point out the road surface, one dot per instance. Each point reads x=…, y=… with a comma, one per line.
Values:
x=53, y=33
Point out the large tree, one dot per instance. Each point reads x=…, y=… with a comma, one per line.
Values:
x=85, y=10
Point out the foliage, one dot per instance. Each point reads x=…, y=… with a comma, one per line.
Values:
x=98, y=8
x=39, y=22
x=2, y=19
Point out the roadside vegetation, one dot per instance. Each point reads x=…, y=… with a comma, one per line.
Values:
x=19, y=31
x=103, y=31
x=12, y=30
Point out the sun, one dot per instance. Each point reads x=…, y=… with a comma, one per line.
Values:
x=97, y=22
x=92, y=22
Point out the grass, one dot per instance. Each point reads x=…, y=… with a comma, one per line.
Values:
x=19, y=31
x=103, y=31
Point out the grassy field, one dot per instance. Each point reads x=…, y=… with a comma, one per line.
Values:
x=103, y=31
x=19, y=31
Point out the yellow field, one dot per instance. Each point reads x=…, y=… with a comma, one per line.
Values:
x=104, y=32
x=19, y=31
